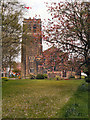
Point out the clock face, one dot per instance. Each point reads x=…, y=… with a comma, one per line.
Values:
x=31, y=58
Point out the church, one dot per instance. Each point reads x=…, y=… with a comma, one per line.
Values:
x=33, y=60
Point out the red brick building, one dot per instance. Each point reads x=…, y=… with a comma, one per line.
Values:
x=33, y=61
x=56, y=63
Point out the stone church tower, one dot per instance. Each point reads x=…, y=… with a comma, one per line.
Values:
x=31, y=46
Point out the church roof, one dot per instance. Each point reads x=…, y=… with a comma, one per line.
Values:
x=52, y=49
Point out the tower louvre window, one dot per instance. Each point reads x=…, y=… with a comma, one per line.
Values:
x=34, y=28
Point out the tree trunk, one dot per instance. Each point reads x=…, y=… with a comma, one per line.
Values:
x=9, y=69
x=88, y=66
x=10, y=65
x=87, y=59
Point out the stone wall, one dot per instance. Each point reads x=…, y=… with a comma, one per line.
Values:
x=32, y=46
x=60, y=73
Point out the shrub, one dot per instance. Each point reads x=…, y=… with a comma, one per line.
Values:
x=32, y=76
x=57, y=77
x=45, y=76
x=71, y=77
x=87, y=80
x=4, y=78
x=40, y=76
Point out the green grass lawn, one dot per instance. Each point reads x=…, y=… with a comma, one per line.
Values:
x=42, y=98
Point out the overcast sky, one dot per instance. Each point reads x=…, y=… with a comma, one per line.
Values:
x=38, y=8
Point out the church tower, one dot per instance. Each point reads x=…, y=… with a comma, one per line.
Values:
x=31, y=46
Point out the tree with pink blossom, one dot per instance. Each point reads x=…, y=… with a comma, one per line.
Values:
x=69, y=29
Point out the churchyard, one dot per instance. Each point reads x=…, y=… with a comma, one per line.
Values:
x=44, y=98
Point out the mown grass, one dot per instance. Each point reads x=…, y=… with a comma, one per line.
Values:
x=77, y=106
x=37, y=98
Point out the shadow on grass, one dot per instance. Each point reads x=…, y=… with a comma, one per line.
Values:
x=77, y=106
